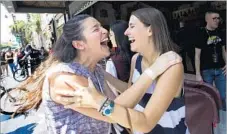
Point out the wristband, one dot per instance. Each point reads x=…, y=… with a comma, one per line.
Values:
x=102, y=105
x=107, y=108
x=150, y=73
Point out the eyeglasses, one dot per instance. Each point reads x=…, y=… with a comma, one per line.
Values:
x=216, y=18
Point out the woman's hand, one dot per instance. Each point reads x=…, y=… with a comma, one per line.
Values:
x=163, y=62
x=87, y=97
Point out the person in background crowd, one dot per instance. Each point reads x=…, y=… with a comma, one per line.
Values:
x=43, y=54
x=4, y=66
x=20, y=55
x=184, y=38
x=34, y=55
x=9, y=59
x=15, y=58
x=210, y=54
x=50, y=50
x=119, y=63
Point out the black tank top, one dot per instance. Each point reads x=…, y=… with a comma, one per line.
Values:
x=10, y=56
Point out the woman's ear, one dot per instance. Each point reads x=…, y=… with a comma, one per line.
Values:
x=78, y=45
x=149, y=30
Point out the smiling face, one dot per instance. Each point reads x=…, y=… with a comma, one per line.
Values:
x=112, y=38
x=138, y=34
x=95, y=39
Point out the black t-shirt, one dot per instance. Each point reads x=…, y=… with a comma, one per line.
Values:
x=210, y=43
x=34, y=54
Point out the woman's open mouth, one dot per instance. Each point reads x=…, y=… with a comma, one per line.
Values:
x=131, y=40
x=104, y=42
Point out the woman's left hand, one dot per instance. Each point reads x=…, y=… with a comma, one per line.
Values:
x=87, y=97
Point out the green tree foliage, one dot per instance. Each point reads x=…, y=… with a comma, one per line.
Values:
x=25, y=29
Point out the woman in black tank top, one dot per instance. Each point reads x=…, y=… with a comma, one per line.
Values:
x=9, y=60
x=4, y=67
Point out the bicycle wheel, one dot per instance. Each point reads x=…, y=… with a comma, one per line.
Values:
x=20, y=74
x=11, y=100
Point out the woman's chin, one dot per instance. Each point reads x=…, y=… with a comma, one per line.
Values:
x=133, y=49
x=107, y=54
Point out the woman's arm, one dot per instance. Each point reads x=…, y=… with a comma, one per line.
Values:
x=60, y=84
x=224, y=53
x=6, y=56
x=130, y=97
x=168, y=86
x=119, y=85
x=110, y=68
x=171, y=76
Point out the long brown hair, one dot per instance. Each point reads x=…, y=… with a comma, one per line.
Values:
x=63, y=51
x=161, y=36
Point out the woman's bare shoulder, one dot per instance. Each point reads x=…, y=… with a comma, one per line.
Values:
x=62, y=79
x=175, y=71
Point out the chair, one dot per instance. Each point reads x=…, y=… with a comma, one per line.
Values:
x=202, y=103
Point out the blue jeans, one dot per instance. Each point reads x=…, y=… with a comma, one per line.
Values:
x=12, y=67
x=216, y=76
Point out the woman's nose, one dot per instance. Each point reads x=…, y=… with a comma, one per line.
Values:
x=126, y=32
x=104, y=31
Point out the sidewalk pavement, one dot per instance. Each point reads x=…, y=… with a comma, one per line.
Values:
x=32, y=124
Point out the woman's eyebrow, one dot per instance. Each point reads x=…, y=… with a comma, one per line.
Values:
x=130, y=23
x=96, y=25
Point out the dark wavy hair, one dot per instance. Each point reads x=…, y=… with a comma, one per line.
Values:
x=63, y=51
x=72, y=30
x=123, y=44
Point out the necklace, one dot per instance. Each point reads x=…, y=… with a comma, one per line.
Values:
x=214, y=56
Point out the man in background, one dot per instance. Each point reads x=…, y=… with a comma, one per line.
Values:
x=210, y=60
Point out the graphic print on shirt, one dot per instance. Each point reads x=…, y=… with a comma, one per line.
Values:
x=213, y=40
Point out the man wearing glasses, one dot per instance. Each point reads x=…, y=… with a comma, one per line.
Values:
x=210, y=54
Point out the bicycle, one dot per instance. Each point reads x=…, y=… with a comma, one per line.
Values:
x=22, y=73
x=11, y=100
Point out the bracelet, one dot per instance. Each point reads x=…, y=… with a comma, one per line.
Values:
x=107, y=108
x=150, y=73
x=102, y=105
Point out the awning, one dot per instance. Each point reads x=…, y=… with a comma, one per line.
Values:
x=77, y=7
x=36, y=6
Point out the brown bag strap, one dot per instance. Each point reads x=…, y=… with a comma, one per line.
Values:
x=130, y=122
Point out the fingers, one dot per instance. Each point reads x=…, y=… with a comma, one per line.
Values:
x=90, y=83
x=173, y=62
x=224, y=70
x=172, y=56
x=69, y=100
x=91, y=87
x=73, y=85
x=65, y=92
x=75, y=105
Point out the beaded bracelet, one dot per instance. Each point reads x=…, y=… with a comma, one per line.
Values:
x=107, y=108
